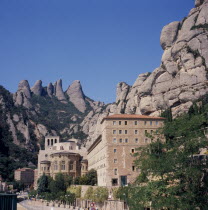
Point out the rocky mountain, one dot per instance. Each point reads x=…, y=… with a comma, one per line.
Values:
x=176, y=83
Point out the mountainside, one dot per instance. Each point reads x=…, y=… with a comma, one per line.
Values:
x=178, y=81
x=32, y=113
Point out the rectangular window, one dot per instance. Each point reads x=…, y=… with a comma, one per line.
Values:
x=115, y=182
x=119, y=122
x=55, y=166
x=114, y=131
x=120, y=131
x=133, y=168
x=115, y=160
x=126, y=140
x=136, y=132
x=126, y=131
x=145, y=122
x=135, y=122
x=114, y=122
x=146, y=141
x=115, y=171
x=114, y=140
x=156, y=122
x=150, y=122
x=120, y=140
x=114, y=150
x=136, y=140
x=71, y=166
x=125, y=122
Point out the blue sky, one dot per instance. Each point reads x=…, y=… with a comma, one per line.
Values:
x=99, y=42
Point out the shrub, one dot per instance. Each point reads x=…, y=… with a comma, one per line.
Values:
x=76, y=190
x=100, y=194
x=89, y=194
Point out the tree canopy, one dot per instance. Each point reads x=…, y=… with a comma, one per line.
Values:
x=173, y=171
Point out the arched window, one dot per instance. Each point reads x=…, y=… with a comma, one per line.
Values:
x=48, y=142
x=51, y=142
x=55, y=140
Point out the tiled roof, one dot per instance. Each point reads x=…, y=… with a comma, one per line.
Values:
x=131, y=116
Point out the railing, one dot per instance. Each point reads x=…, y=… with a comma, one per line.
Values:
x=8, y=202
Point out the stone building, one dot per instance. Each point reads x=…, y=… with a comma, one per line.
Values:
x=65, y=157
x=24, y=175
x=112, y=152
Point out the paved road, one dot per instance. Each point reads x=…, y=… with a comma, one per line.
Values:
x=26, y=204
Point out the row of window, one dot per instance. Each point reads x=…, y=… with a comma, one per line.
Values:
x=135, y=122
x=131, y=151
x=52, y=141
x=136, y=140
x=63, y=166
x=115, y=170
x=126, y=132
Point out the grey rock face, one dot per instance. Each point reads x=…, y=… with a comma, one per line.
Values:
x=180, y=79
x=199, y=2
x=59, y=91
x=169, y=34
x=50, y=89
x=23, y=94
x=182, y=76
x=37, y=89
x=76, y=95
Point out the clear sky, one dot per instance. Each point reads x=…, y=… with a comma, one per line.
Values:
x=99, y=42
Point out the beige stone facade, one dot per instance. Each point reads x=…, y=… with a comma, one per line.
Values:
x=112, y=153
x=24, y=175
x=65, y=157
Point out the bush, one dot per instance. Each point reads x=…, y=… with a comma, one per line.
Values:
x=76, y=190
x=32, y=194
x=121, y=193
x=89, y=194
x=100, y=194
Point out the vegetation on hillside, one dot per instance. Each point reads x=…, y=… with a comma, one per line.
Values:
x=12, y=156
x=173, y=174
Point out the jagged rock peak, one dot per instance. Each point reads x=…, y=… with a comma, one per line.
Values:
x=76, y=95
x=23, y=94
x=200, y=2
x=59, y=91
x=37, y=89
x=169, y=34
x=24, y=87
x=50, y=89
x=121, y=91
x=141, y=78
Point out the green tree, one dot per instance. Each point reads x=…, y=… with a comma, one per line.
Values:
x=91, y=177
x=100, y=194
x=76, y=190
x=70, y=197
x=89, y=193
x=173, y=174
x=19, y=186
x=43, y=184
x=58, y=185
